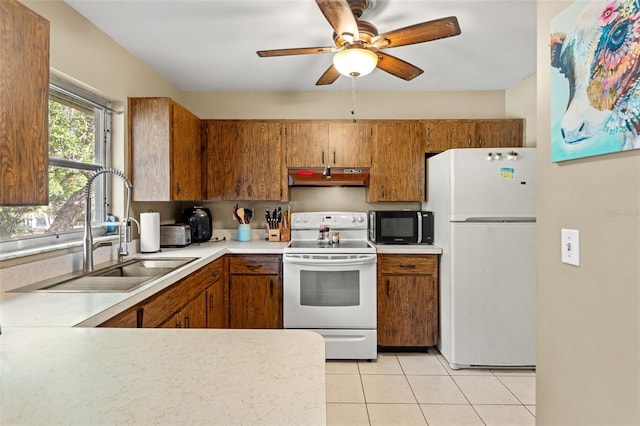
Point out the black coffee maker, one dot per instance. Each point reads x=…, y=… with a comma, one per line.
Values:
x=201, y=223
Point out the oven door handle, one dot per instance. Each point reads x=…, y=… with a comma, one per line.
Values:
x=362, y=260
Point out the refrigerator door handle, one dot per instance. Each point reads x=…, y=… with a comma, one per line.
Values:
x=498, y=220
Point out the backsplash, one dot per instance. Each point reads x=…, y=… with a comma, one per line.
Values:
x=302, y=199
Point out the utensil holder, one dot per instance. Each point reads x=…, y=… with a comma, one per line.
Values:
x=274, y=235
x=244, y=232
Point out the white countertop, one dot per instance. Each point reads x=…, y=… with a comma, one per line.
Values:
x=90, y=376
x=90, y=309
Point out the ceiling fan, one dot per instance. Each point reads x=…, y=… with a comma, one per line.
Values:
x=358, y=44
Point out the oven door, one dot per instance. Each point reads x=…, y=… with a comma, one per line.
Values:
x=329, y=291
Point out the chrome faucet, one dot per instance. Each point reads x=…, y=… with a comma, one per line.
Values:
x=88, y=246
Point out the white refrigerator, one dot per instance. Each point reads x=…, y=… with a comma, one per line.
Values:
x=484, y=215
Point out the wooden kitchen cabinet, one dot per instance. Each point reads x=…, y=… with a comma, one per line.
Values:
x=407, y=300
x=217, y=295
x=317, y=143
x=199, y=300
x=24, y=94
x=127, y=319
x=398, y=160
x=193, y=315
x=244, y=160
x=499, y=133
x=255, y=291
x=441, y=135
x=166, y=151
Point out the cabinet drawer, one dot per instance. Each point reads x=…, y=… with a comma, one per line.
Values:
x=213, y=271
x=399, y=264
x=259, y=265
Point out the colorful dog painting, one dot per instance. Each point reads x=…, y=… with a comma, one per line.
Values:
x=595, y=88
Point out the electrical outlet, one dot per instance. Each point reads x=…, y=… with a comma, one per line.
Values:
x=571, y=246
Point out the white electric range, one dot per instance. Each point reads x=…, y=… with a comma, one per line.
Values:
x=330, y=287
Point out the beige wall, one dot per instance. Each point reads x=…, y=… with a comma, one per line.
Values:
x=337, y=105
x=588, y=316
x=520, y=103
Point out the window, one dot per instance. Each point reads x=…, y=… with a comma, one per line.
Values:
x=79, y=125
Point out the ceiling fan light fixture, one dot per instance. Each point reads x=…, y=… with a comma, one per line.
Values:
x=355, y=62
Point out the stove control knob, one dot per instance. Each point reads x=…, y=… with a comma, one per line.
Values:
x=360, y=219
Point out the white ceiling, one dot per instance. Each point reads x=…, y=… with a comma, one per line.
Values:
x=210, y=45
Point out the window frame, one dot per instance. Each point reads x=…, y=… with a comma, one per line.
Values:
x=12, y=247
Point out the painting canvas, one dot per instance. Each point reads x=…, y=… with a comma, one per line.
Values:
x=595, y=72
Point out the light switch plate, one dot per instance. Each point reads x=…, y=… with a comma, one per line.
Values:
x=571, y=246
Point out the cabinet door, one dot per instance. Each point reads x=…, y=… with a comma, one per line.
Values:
x=255, y=301
x=441, y=135
x=195, y=313
x=216, y=308
x=499, y=133
x=398, y=155
x=307, y=144
x=166, y=150
x=349, y=144
x=186, y=155
x=244, y=160
x=407, y=314
x=127, y=319
x=24, y=95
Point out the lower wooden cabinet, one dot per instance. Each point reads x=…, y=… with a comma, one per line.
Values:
x=199, y=300
x=407, y=300
x=193, y=315
x=255, y=291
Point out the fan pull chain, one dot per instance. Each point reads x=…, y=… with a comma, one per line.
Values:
x=353, y=99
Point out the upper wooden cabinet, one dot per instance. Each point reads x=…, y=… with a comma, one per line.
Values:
x=244, y=160
x=499, y=133
x=317, y=143
x=397, y=171
x=441, y=135
x=24, y=95
x=166, y=151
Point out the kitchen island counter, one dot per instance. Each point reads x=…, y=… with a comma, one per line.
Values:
x=88, y=376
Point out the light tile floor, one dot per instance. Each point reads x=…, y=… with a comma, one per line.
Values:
x=421, y=389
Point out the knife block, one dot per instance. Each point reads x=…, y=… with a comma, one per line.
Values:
x=274, y=235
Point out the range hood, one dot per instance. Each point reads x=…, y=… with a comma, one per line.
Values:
x=338, y=176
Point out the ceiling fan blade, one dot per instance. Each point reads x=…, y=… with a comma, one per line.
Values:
x=397, y=67
x=329, y=76
x=418, y=33
x=295, y=51
x=339, y=15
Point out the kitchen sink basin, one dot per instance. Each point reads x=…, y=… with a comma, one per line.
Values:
x=121, y=277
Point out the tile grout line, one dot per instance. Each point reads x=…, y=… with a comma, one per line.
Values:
x=412, y=391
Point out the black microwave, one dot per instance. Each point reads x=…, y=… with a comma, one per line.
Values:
x=400, y=227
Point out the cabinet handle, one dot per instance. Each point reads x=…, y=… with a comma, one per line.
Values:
x=186, y=321
x=469, y=140
x=323, y=158
x=271, y=288
x=480, y=141
x=249, y=190
x=334, y=157
x=178, y=325
x=238, y=189
x=178, y=188
x=408, y=266
x=253, y=266
x=382, y=192
x=211, y=302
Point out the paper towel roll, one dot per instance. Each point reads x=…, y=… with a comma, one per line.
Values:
x=149, y=232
